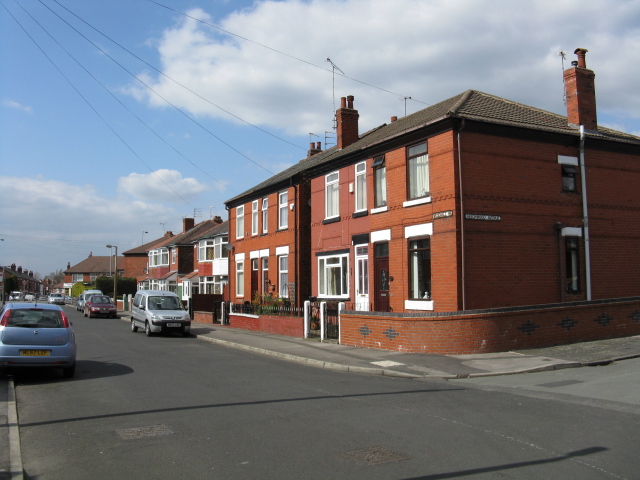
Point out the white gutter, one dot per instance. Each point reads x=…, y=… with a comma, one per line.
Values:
x=585, y=216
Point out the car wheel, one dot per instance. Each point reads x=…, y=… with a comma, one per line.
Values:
x=133, y=326
x=147, y=329
x=69, y=372
x=186, y=334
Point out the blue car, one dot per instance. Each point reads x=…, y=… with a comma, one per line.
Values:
x=37, y=335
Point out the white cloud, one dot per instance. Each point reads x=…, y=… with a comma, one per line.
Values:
x=17, y=105
x=427, y=49
x=161, y=186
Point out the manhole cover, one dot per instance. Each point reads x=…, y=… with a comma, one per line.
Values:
x=374, y=455
x=144, y=432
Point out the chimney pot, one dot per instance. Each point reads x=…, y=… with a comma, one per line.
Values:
x=350, y=101
x=343, y=102
x=581, y=52
x=393, y=119
x=319, y=146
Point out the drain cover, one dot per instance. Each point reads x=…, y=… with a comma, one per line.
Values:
x=144, y=432
x=374, y=455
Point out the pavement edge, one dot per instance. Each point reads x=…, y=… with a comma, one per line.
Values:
x=15, y=453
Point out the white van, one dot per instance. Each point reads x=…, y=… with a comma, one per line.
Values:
x=159, y=311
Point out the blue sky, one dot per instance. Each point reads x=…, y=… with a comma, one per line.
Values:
x=123, y=117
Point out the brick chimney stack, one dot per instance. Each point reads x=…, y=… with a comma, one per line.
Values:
x=188, y=224
x=580, y=92
x=347, y=120
x=314, y=149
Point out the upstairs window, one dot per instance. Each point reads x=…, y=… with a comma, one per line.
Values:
x=361, y=186
x=380, y=182
x=205, y=250
x=418, y=171
x=332, y=198
x=569, y=174
x=283, y=206
x=265, y=215
x=254, y=217
x=219, y=250
x=240, y=221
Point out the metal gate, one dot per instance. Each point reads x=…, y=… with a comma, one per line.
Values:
x=331, y=318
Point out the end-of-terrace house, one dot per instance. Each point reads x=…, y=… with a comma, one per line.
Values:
x=172, y=259
x=269, y=242
x=477, y=224
x=91, y=268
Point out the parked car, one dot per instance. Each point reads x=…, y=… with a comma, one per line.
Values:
x=159, y=311
x=37, y=335
x=56, y=298
x=99, y=306
x=15, y=296
x=29, y=297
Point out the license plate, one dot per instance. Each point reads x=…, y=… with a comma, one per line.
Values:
x=35, y=353
x=174, y=325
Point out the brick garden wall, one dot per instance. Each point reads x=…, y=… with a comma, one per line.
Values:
x=291, y=326
x=495, y=330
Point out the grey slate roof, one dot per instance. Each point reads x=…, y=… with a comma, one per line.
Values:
x=471, y=105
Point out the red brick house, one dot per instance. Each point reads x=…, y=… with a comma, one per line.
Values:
x=472, y=204
x=210, y=268
x=136, y=260
x=173, y=258
x=91, y=268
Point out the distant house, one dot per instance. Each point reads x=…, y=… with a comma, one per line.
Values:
x=136, y=260
x=210, y=262
x=91, y=268
x=26, y=282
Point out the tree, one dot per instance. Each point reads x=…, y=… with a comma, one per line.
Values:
x=57, y=276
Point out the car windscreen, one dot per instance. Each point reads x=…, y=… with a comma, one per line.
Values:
x=99, y=299
x=35, y=318
x=165, y=303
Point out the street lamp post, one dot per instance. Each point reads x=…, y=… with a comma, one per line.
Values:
x=115, y=276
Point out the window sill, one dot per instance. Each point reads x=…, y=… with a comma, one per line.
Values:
x=361, y=213
x=379, y=210
x=417, y=201
x=327, y=221
x=424, y=305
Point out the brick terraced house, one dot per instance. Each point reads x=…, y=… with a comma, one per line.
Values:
x=474, y=204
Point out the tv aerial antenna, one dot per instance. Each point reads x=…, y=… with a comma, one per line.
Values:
x=563, y=55
x=334, y=67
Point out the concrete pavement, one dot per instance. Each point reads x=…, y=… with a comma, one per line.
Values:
x=356, y=360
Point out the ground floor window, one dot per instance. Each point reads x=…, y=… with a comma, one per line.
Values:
x=239, y=279
x=420, y=269
x=572, y=264
x=333, y=272
x=283, y=276
x=212, y=285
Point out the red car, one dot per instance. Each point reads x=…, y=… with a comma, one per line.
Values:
x=99, y=305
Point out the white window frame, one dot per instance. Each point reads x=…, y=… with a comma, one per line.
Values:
x=283, y=276
x=77, y=277
x=332, y=195
x=206, y=252
x=174, y=255
x=240, y=278
x=418, y=181
x=212, y=285
x=254, y=217
x=218, y=247
x=379, y=183
x=326, y=265
x=265, y=215
x=283, y=210
x=361, y=186
x=240, y=221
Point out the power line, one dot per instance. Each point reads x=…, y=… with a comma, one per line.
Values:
x=152, y=90
x=277, y=51
x=89, y=104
